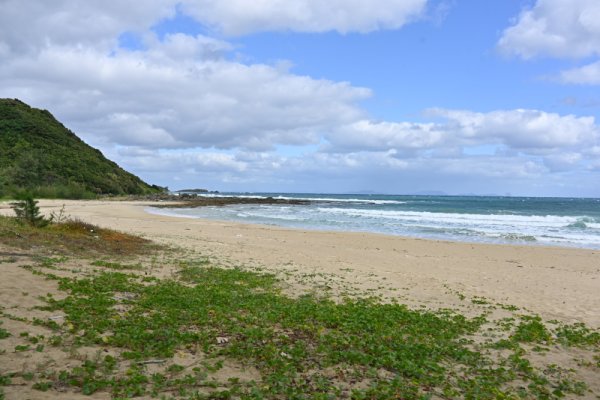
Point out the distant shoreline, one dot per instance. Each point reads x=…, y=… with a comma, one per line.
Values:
x=183, y=201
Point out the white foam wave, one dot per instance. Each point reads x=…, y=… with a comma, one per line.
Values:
x=168, y=213
x=503, y=228
x=220, y=195
x=548, y=229
x=457, y=218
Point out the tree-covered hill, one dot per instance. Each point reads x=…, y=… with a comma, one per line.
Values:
x=38, y=154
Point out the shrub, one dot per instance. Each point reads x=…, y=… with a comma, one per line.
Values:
x=27, y=210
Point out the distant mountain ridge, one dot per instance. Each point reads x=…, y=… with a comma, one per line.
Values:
x=40, y=155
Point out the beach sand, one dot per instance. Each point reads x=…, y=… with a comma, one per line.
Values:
x=557, y=283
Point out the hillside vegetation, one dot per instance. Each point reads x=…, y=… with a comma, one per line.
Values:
x=41, y=156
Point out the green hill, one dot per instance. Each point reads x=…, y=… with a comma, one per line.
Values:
x=38, y=154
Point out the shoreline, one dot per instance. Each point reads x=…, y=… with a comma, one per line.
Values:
x=556, y=282
x=533, y=243
x=539, y=223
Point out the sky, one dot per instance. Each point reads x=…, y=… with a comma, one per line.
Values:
x=339, y=96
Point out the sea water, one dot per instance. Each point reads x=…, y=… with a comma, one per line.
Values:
x=573, y=222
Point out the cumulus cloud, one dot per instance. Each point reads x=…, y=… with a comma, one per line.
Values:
x=237, y=17
x=560, y=29
x=179, y=91
x=530, y=131
x=25, y=26
x=555, y=28
x=101, y=22
x=377, y=136
x=172, y=95
x=190, y=162
x=534, y=131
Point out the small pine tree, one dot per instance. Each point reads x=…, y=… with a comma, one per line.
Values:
x=28, y=211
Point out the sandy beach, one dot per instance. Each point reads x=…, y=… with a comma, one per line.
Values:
x=557, y=283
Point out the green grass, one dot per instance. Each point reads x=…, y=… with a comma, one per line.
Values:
x=3, y=332
x=116, y=266
x=532, y=330
x=4, y=381
x=578, y=335
x=304, y=348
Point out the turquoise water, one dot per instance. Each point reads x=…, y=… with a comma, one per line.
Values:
x=571, y=222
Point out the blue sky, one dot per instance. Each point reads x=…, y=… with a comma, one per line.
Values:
x=390, y=96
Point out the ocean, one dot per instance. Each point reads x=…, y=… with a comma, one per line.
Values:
x=572, y=222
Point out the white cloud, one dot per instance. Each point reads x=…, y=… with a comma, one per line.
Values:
x=26, y=26
x=237, y=17
x=484, y=167
x=377, y=136
x=178, y=47
x=529, y=131
x=532, y=131
x=173, y=96
x=190, y=162
x=586, y=75
x=317, y=165
x=556, y=28
x=388, y=171
x=178, y=92
x=100, y=23
x=562, y=161
x=561, y=29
